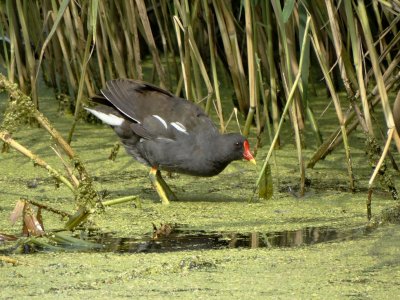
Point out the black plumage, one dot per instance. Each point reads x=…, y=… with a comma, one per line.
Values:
x=167, y=132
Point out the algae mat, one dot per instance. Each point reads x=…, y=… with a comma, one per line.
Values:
x=367, y=267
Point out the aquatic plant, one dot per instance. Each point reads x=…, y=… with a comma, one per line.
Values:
x=253, y=46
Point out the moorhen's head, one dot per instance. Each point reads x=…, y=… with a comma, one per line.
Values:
x=232, y=146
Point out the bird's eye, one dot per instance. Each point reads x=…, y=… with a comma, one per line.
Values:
x=237, y=144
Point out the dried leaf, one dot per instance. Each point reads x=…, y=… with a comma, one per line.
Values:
x=163, y=231
x=17, y=212
x=6, y=237
x=39, y=217
x=31, y=224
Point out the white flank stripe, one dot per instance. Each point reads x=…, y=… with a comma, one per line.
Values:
x=109, y=119
x=161, y=120
x=179, y=126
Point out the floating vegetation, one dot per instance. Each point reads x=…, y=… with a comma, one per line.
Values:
x=195, y=48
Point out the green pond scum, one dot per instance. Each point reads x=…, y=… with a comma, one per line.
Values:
x=362, y=268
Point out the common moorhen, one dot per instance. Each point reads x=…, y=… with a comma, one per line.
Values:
x=166, y=132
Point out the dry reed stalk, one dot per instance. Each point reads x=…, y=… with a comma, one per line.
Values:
x=16, y=50
x=375, y=64
x=290, y=68
x=253, y=92
x=336, y=102
x=6, y=138
x=287, y=105
x=29, y=56
x=91, y=39
x=150, y=40
x=229, y=39
x=211, y=43
x=334, y=139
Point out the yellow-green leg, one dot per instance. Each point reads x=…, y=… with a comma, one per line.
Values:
x=161, y=186
x=170, y=194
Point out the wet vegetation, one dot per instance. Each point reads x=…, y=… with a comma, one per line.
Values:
x=312, y=84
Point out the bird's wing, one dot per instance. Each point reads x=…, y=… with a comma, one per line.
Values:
x=131, y=97
x=158, y=113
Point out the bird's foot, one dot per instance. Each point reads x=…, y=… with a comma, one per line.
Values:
x=162, y=188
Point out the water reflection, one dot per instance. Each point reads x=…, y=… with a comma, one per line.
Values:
x=170, y=238
x=181, y=239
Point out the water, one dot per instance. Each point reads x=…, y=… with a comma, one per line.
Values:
x=172, y=238
x=177, y=238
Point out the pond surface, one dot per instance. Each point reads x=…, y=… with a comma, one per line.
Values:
x=176, y=238
x=172, y=238
x=230, y=248
x=183, y=240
